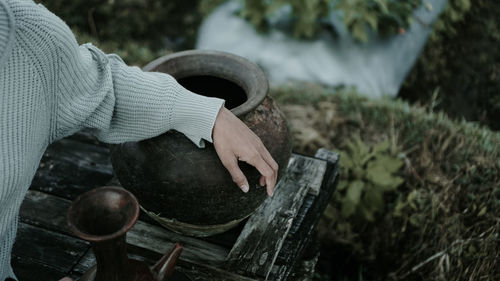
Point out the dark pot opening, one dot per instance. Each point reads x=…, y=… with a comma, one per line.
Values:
x=211, y=86
x=101, y=221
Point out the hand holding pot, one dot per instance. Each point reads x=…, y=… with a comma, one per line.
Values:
x=234, y=141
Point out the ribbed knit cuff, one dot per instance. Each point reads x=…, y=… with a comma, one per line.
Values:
x=194, y=115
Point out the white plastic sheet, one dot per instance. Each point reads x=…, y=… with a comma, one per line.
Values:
x=376, y=68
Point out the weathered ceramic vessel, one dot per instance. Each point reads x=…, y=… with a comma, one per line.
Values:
x=186, y=188
x=103, y=216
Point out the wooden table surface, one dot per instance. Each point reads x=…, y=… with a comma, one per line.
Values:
x=267, y=246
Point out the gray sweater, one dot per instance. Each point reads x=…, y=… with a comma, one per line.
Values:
x=50, y=88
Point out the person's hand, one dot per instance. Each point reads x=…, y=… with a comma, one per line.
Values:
x=66, y=279
x=234, y=141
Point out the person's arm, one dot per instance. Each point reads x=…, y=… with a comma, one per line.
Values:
x=87, y=88
x=123, y=103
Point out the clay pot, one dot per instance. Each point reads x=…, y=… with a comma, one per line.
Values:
x=103, y=216
x=186, y=188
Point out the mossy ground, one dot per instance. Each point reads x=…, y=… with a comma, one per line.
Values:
x=442, y=224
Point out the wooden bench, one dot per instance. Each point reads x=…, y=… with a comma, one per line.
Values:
x=273, y=244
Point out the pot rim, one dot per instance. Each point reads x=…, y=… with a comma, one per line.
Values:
x=231, y=67
x=70, y=219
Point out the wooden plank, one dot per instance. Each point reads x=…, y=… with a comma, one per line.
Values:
x=87, y=136
x=88, y=260
x=29, y=270
x=261, y=240
x=207, y=273
x=194, y=271
x=327, y=155
x=48, y=249
x=45, y=211
x=306, y=266
x=160, y=240
x=49, y=212
x=226, y=239
x=302, y=232
x=317, y=178
x=69, y=168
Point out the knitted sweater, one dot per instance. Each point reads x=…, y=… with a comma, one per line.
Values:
x=50, y=88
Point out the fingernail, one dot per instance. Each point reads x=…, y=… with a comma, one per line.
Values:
x=244, y=188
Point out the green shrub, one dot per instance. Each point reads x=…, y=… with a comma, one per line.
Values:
x=307, y=18
x=367, y=173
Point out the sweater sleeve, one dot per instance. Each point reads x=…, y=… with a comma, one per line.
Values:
x=122, y=103
x=6, y=31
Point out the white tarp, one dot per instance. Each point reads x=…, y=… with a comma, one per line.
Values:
x=376, y=68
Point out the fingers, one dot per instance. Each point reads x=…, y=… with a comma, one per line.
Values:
x=274, y=166
x=266, y=171
x=233, y=138
x=269, y=159
x=268, y=178
x=262, y=181
x=231, y=164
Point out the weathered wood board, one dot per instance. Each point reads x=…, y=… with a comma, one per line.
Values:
x=261, y=240
x=30, y=270
x=302, y=232
x=53, y=250
x=69, y=168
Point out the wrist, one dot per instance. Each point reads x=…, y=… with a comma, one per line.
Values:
x=219, y=121
x=195, y=115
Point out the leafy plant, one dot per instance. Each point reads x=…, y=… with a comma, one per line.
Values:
x=455, y=12
x=307, y=18
x=368, y=174
x=383, y=16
